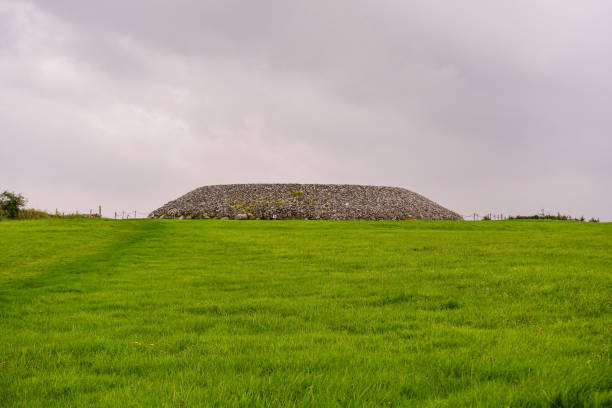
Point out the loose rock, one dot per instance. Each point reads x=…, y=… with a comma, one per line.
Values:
x=304, y=201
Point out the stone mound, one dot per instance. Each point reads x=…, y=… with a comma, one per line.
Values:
x=304, y=201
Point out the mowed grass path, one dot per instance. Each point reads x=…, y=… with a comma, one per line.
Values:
x=154, y=313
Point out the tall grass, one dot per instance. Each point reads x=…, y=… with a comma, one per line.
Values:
x=190, y=313
x=32, y=214
x=27, y=214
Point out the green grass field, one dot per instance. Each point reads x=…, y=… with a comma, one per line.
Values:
x=162, y=313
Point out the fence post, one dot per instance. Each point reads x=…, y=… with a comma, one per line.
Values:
x=115, y=214
x=134, y=213
x=100, y=211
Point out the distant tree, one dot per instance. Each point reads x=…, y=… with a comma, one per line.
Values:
x=11, y=203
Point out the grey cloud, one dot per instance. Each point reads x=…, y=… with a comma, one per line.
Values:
x=499, y=106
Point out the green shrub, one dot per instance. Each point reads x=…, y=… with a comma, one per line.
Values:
x=542, y=216
x=11, y=203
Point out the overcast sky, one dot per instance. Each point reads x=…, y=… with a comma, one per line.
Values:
x=486, y=106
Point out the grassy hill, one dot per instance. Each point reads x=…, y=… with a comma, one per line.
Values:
x=291, y=313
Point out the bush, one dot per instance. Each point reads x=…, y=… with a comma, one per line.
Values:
x=11, y=203
x=558, y=217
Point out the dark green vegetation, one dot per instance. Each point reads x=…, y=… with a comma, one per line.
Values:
x=542, y=216
x=28, y=214
x=11, y=203
x=32, y=214
x=290, y=313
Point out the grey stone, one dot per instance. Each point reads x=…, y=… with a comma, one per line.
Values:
x=304, y=201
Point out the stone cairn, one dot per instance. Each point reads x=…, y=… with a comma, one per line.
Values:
x=303, y=201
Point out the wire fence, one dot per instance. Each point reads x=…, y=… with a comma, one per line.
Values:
x=135, y=214
x=91, y=213
x=126, y=215
x=123, y=215
x=484, y=217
